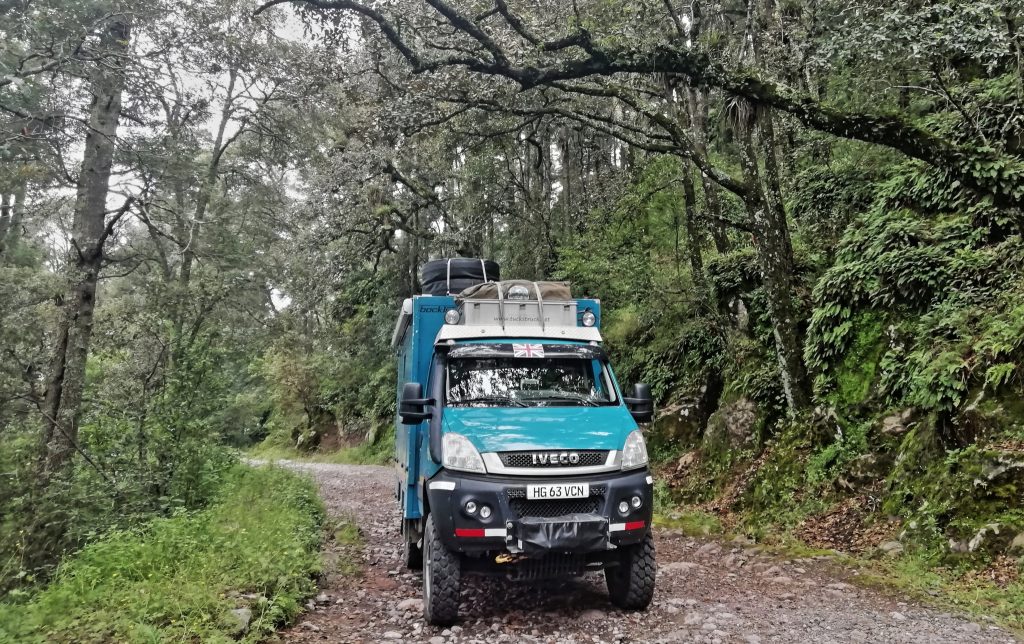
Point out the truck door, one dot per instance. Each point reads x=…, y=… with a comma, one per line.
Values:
x=420, y=465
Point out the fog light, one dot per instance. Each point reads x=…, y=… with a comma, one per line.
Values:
x=485, y=512
x=452, y=316
x=637, y=502
x=588, y=318
x=623, y=508
x=470, y=507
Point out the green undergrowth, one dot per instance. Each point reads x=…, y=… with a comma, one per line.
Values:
x=948, y=588
x=366, y=453
x=179, y=578
x=692, y=523
x=954, y=505
x=954, y=512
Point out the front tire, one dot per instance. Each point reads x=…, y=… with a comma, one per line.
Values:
x=631, y=582
x=442, y=578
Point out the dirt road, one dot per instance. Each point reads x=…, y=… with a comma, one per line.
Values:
x=707, y=592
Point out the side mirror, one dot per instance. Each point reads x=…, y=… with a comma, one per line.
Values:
x=411, y=407
x=641, y=403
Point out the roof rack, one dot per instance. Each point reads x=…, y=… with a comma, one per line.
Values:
x=521, y=318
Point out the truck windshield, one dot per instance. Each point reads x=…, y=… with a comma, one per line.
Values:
x=502, y=381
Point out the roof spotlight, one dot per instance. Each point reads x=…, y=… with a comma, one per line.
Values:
x=518, y=292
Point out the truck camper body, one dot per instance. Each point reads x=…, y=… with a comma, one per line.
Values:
x=517, y=452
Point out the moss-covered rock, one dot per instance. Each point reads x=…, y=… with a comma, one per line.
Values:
x=733, y=427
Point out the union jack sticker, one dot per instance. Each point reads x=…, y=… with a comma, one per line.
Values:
x=527, y=350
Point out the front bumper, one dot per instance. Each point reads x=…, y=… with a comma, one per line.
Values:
x=536, y=528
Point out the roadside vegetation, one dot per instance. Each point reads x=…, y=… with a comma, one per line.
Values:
x=989, y=595
x=380, y=452
x=232, y=571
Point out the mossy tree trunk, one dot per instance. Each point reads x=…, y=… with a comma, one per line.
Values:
x=770, y=233
x=693, y=235
x=90, y=228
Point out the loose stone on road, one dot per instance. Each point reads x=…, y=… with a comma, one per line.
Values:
x=707, y=592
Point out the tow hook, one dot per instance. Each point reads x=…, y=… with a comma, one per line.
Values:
x=508, y=557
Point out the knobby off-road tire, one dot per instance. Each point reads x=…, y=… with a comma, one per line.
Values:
x=454, y=287
x=442, y=573
x=631, y=583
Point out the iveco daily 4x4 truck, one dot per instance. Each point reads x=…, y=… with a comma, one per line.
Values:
x=518, y=454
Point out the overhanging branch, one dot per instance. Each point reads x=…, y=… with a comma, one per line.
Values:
x=982, y=169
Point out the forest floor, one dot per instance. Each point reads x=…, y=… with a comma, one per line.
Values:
x=708, y=591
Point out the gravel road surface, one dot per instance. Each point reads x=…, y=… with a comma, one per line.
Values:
x=707, y=592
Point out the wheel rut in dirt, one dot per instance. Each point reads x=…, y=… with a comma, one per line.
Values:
x=706, y=592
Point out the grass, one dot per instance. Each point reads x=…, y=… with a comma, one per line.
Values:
x=378, y=453
x=917, y=577
x=347, y=532
x=693, y=523
x=179, y=578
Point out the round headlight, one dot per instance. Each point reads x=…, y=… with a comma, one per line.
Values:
x=588, y=318
x=452, y=316
x=470, y=507
x=623, y=508
x=485, y=512
x=636, y=501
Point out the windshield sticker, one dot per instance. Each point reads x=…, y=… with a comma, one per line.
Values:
x=527, y=350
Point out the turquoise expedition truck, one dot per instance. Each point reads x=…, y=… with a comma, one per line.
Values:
x=517, y=452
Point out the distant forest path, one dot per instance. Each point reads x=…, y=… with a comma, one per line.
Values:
x=707, y=592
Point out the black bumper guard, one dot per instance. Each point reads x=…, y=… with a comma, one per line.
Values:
x=566, y=534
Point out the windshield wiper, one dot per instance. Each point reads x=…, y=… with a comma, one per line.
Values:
x=485, y=399
x=588, y=402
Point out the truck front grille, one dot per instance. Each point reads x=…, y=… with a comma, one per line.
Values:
x=588, y=458
x=548, y=508
x=550, y=566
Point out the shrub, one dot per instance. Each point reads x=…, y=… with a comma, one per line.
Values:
x=178, y=578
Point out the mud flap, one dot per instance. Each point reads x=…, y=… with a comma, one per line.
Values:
x=571, y=533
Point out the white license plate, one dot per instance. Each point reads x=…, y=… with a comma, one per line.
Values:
x=557, y=491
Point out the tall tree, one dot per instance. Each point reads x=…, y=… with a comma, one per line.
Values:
x=91, y=228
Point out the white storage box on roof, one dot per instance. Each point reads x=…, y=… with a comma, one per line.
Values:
x=519, y=309
x=518, y=303
x=518, y=313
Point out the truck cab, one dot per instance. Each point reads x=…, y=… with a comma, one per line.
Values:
x=518, y=454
